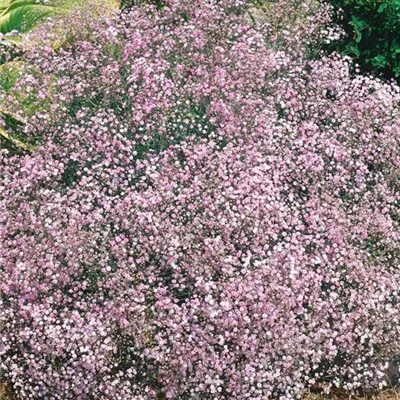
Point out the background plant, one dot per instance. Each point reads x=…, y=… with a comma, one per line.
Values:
x=22, y=15
x=372, y=34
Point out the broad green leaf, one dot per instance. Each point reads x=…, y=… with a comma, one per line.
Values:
x=22, y=15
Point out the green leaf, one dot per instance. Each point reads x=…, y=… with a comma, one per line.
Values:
x=22, y=15
x=358, y=25
x=395, y=47
x=352, y=50
x=379, y=61
x=382, y=7
x=15, y=141
x=396, y=71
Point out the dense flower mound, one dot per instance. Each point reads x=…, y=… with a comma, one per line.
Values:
x=205, y=216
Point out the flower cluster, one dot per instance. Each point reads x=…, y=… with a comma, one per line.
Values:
x=206, y=216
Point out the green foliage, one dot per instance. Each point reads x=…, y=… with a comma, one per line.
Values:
x=9, y=73
x=126, y=4
x=372, y=34
x=22, y=15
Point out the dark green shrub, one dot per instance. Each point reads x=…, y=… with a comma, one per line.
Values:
x=126, y=4
x=372, y=34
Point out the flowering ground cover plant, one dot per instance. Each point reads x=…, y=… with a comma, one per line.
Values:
x=203, y=215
